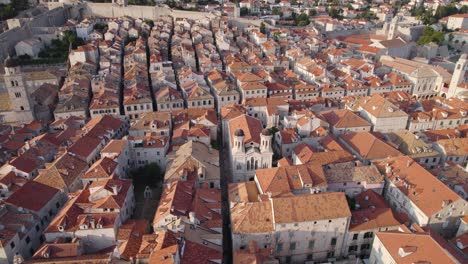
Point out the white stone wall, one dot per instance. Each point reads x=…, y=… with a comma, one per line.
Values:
x=262, y=93
x=65, y=115
x=24, y=48
x=202, y=103
x=400, y=202
x=457, y=23
x=314, y=237
x=426, y=86
x=339, y=131
x=447, y=220
x=144, y=156
x=387, y=124
x=380, y=254
x=134, y=111
x=7, y=252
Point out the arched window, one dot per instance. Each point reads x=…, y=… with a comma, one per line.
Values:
x=12, y=83
x=16, y=83
x=252, y=163
x=248, y=165
x=256, y=164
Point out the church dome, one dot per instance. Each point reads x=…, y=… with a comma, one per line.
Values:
x=239, y=133
x=266, y=132
x=11, y=63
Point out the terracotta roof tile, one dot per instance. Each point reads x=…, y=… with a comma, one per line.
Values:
x=251, y=126
x=344, y=119
x=22, y=197
x=280, y=180
x=369, y=146
x=408, y=248
x=255, y=217
x=304, y=208
x=199, y=254
x=426, y=192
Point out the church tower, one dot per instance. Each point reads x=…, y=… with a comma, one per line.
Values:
x=19, y=96
x=458, y=75
x=265, y=141
x=393, y=28
x=238, y=141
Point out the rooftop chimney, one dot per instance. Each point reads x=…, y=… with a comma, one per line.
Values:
x=408, y=163
x=92, y=223
x=253, y=247
x=115, y=190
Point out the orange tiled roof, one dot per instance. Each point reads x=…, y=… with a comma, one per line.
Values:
x=22, y=197
x=369, y=146
x=344, y=119
x=426, y=192
x=252, y=127
x=408, y=248
x=304, y=208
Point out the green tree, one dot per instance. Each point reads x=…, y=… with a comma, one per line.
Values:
x=171, y=3
x=263, y=28
x=100, y=27
x=149, y=22
x=419, y=11
x=367, y=14
x=276, y=35
x=6, y=12
x=70, y=38
x=426, y=16
x=303, y=23
x=445, y=10
x=335, y=13
x=430, y=35
x=463, y=10
x=277, y=11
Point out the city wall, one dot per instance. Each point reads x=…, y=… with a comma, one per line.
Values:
x=53, y=18
x=59, y=13
x=145, y=12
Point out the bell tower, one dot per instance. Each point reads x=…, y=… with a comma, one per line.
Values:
x=19, y=95
x=265, y=140
x=458, y=75
x=393, y=28
x=238, y=141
